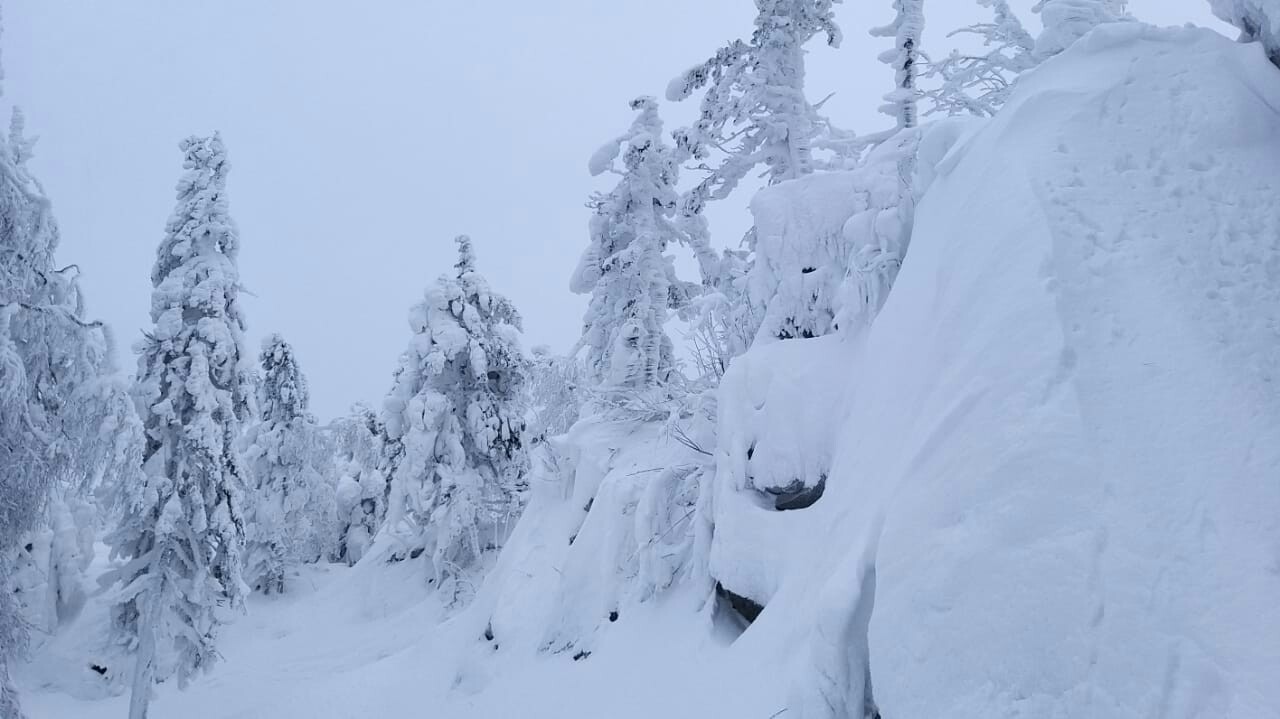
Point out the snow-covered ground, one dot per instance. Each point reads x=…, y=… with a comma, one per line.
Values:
x=1052, y=469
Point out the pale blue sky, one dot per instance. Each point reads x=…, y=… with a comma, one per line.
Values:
x=363, y=140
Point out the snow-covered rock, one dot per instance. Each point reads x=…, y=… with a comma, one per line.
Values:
x=1057, y=477
x=1257, y=20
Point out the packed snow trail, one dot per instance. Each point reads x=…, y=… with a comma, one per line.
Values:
x=1057, y=448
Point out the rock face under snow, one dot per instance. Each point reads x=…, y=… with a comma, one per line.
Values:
x=1257, y=20
x=1054, y=489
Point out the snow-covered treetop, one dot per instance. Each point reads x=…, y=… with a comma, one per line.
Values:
x=462, y=329
x=29, y=230
x=466, y=255
x=1257, y=20
x=197, y=284
x=631, y=282
x=282, y=394
x=201, y=220
x=475, y=288
x=754, y=108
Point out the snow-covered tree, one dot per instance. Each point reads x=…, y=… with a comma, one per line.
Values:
x=979, y=82
x=754, y=108
x=289, y=495
x=60, y=424
x=361, y=493
x=624, y=268
x=1066, y=21
x=1258, y=20
x=906, y=29
x=182, y=528
x=457, y=410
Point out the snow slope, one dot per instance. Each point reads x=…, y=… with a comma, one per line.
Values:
x=1053, y=467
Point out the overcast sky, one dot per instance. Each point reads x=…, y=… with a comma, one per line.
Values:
x=362, y=140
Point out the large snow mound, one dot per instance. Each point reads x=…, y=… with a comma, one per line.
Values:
x=1060, y=470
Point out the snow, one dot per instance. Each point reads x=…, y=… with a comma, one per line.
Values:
x=1066, y=21
x=1257, y=20
x=1051, y=467
x=1066, y=420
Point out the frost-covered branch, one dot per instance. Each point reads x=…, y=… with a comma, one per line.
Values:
x=753, y=109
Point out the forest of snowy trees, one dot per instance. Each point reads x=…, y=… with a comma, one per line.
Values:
x=206, y=476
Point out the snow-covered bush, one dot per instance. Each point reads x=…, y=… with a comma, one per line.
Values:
x=182, y=529
x=622, y=511
x=1258, y=20
x=557, y=391
x=457, y=408
x=290, y=505
x=722, y=320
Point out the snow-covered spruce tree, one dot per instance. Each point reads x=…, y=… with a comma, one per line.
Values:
x=754, y=107
x=906, y=29
x=280, y=454
x=979, y=82
x=457, y=411
x=361, y=493
x=182, y=531
x=624, y=268
x=1258, y=20
x=57, y=401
